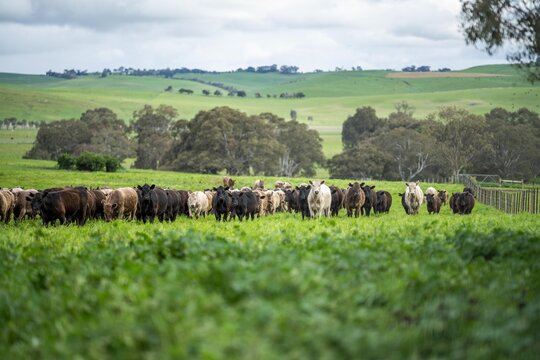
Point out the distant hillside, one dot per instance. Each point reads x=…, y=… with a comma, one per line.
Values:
x=330, y=96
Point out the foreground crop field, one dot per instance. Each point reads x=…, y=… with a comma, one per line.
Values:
x=388, y=286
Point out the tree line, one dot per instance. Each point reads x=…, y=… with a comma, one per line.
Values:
x=13, y=123
x=447, y=143
x=215, y=140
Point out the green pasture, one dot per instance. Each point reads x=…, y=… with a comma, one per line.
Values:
x=389, y=286
x=330, y=97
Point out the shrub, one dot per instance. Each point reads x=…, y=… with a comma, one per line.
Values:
x=88, y=161
x=112, y=164
x=66, y=162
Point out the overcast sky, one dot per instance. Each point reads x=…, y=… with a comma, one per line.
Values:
x=38, y=35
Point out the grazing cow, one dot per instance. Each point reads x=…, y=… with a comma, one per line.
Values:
x=23, y=207
x=371, y=199
x=173, y=204
x=122, y=203
x=443, y=195
x=433, y=203
x=454, y=202
x=66, y=205
x=384, y=202
x=210, y=195
x=303, y=194
x=244, y=203
x=7, y=200
x=99, y=212
x=337, y=200
x=259, y=184
x=263, y=202
x=354, y=199
x=198, y=204
x=431, y=190
x=319, y=199
x=228, y=182
x=153, y=203
x=291, y=198
x=466, y=201
x=274, y=201
x=414, y=196
x=184, y=208
x=90, y=205
x=221, y=203
x=404, y=203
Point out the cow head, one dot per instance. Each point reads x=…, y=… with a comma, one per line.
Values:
x=303, y=192
x=110, y=210
x=316, y=186
x=35, y=200
x=235, y=198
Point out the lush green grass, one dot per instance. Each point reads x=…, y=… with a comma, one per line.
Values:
x=331, y=97
x=388, y=286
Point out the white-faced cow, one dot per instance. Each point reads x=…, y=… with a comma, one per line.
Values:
x=319, y=199
x=414, y=197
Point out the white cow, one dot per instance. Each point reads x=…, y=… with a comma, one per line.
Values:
x=319, y=199
x=197, y=204
x=413, y=197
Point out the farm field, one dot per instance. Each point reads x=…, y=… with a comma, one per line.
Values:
x=330, y=97
x=388, y=286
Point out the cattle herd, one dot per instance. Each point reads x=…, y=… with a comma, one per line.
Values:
x=147, y=202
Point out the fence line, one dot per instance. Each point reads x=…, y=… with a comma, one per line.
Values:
x=508, y=200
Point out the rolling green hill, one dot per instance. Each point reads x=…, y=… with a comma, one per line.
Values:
x=330, y=96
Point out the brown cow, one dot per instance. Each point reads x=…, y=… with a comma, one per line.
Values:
x=443, y=195
x=23, y=207
x=228, y=182
x=354, y=199
x=7, y=203
x=433, y=203
x=121, y=203
x=263, y=202
x=259, y=184
x=66, y=205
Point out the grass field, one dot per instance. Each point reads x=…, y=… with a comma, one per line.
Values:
x=330, y=97
x=388, y=286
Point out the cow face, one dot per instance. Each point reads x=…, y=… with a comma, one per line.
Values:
x=303, y=192
x=316, y=186
x=192, y=201
x=109, y=210
x=370, y=195
x=221, y=194
x=146, y=192
x=36, y=201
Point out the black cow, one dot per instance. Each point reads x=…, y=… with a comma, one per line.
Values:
x=244, y=203
x=337, y=200
x=466, y=201
x=404, y=204
x=183, y=208
x=454, y=203
x=371, y=199
x=291, y=198
x=221, y=203
x=173, y=204
x=384, y=202
x=303, y=193
x=154, y=203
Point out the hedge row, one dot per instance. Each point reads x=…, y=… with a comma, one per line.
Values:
x=89, y=161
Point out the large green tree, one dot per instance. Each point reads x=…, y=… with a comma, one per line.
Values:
x=58, y=137
x=152, y=127
x=510, y=24
x=363, y=124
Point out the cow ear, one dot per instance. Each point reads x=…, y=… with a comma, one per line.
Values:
x=262, y=197
x=322, y=182
x=139, y=187
x=373, y=187
x=241, y=194
x=214, y=189
x=350, y=184
x=114, y=206
x=310, y=182
x=417, y=182
x=308, y=187
x=406, y=184
x=230, y=194
x=152, y=187
x=226, y=189
x=297, y=188
x=28, y=198
x=362, y=184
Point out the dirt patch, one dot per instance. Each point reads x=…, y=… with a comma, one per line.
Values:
x=421, y=75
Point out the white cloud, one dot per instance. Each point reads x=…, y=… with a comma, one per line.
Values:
x=222, y=35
